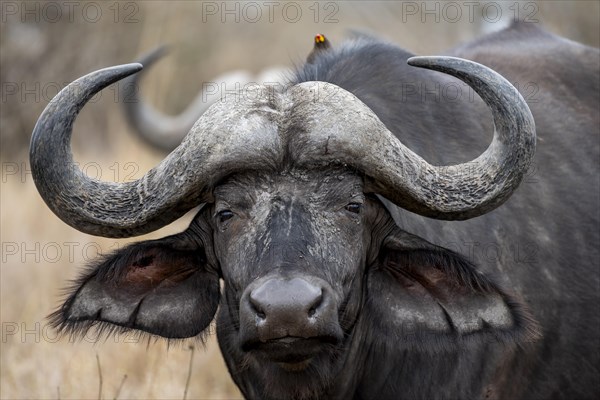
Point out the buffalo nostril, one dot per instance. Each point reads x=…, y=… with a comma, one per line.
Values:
x=260, y=314
x=257, y=309
x=315, y=304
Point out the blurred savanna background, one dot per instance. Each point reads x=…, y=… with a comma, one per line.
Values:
x=47, y=44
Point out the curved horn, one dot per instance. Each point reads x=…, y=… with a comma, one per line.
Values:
x=164, y=131
x=347, y=131
x=238, y=134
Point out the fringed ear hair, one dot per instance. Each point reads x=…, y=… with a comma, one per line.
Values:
x=152, y=287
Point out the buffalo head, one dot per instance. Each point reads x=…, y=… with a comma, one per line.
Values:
x=309, y=256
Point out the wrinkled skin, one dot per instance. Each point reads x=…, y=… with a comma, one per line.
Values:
x=300, y=224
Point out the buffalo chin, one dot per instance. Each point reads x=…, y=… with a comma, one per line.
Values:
x=287, y=367
x=311, y=378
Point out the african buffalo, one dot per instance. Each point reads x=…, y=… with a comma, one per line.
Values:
x=313, y=197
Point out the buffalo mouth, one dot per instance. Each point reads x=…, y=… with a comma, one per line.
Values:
x=290, y=352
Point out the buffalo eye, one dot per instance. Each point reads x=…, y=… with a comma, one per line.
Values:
x=354, y=207
x=224, y=215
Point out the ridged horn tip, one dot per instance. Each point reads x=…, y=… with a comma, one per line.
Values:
x=119, y=72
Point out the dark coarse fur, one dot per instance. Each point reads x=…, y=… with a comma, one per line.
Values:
x=545, y=239
x=411, y=266
x=420, y=363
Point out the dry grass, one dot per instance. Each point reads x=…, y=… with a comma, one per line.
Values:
x=34, y=363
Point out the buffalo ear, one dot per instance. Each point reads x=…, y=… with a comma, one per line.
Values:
x=420, y=291
x=161, y=287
